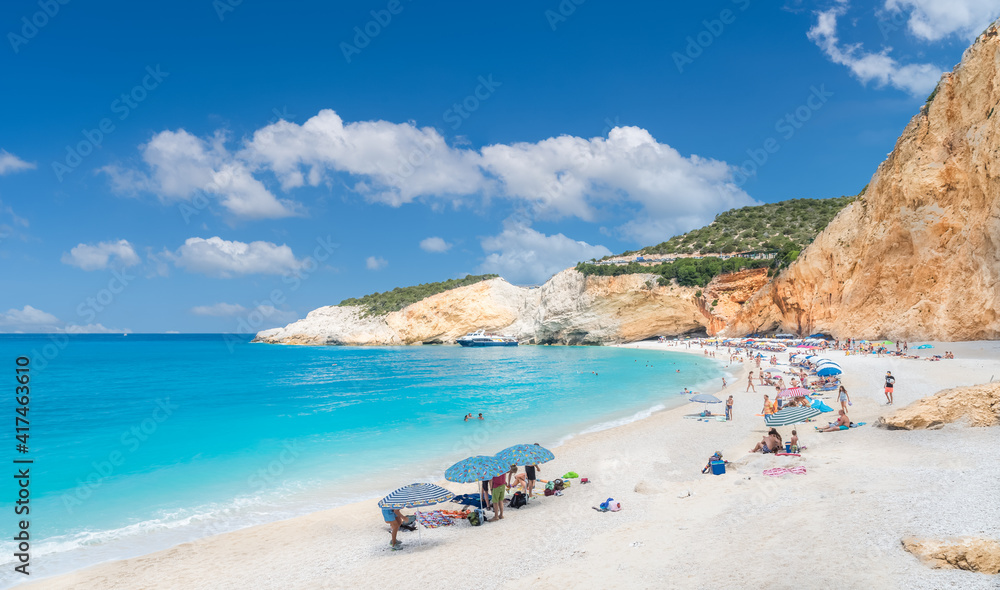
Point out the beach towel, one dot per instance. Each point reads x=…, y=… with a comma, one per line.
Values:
x=434, y=519
x=777, y=471
x=467, y=499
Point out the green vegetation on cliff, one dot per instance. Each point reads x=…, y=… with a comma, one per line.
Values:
x=786, y=225
x=400, y=297
x=688, y=272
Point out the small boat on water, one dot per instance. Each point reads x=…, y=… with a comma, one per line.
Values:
x=483, y=338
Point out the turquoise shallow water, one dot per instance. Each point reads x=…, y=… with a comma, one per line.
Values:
x=144, y=441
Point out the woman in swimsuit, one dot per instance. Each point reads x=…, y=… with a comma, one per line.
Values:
x=843, y=398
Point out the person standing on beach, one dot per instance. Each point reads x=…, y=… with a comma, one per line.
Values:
x=890, y=382
x=844, y=399
x=499, y=489
x=750, y=382
x=723, y=381
x=394, y=518
x=529, y=471
x=729, y=408
x=768, y=406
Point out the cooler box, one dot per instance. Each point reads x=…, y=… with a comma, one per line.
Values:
x=718, y=467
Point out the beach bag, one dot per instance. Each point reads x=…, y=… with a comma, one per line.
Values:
x=558, y=485
x=518, y=500
x=474, y=518
x=550, y=492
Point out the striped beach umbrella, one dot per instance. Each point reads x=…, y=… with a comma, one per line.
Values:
x=416, y=495
x=794, y=392
x=788, y=416
x=478, y=468
x=525, y=455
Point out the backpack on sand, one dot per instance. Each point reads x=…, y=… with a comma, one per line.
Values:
x=518, y=500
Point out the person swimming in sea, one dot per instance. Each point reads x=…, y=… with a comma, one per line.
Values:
x=480, y=415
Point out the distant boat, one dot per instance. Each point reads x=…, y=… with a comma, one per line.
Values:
x=481, y=338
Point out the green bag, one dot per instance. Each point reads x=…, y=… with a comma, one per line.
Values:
x=570, y=474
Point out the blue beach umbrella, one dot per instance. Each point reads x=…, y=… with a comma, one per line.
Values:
x=475, y=468
x=925, y=346
x=704, y=398
x=525, y=455
x=416, y=495
x=827, y=371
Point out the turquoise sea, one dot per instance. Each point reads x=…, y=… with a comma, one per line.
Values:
x=142, y=441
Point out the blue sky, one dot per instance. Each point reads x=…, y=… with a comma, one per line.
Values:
x=229, y=166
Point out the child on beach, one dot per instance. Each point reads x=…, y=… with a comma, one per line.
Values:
x=795, y=441
x=729, y=408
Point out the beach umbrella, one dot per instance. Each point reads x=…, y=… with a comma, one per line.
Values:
x=476, y=468
x=925, y=346
x=525, y=455
x=794, y=392
x=705, y=398
x=789, y=416
x=828, y=371
x=416, y=495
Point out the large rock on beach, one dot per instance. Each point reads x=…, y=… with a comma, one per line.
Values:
x=917, y=256
x=978, y=404
x=972, y=553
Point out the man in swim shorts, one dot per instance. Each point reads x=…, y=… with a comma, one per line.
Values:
x=890, y=381
x=729, y=408
x=395, y=518
x=499, y=489
x=529, y=471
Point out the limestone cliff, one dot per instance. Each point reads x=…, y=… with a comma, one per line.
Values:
x=568, y=309
x=918, y=255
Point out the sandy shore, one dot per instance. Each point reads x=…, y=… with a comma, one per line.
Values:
x=837, y=526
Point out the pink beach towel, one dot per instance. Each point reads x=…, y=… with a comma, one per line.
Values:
x=776, y=471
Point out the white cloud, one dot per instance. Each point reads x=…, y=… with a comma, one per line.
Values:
x=933, y=20
x=11, y=163
x=916, y=79
x=225, y=259
x=628, y=173
x=523, y=255
x=434, y=244
x=375, y=262
x=572, y=176
x=267, y=311
x=99, y=256
x=395, y=162
x=91, y=329
x=28, y=319
x=182, y=165
x=219, y=309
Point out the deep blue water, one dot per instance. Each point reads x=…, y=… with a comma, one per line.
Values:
x=143, y=441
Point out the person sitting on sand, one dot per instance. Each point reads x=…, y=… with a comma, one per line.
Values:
x=717, y=456
x=768, y=444
x=842, y=423
x=395, y=518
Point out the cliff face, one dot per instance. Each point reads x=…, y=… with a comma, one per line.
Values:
x=569, y=309
x=918, y=255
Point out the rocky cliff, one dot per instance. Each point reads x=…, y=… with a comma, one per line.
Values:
x=918, y=255
x=568, y=309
